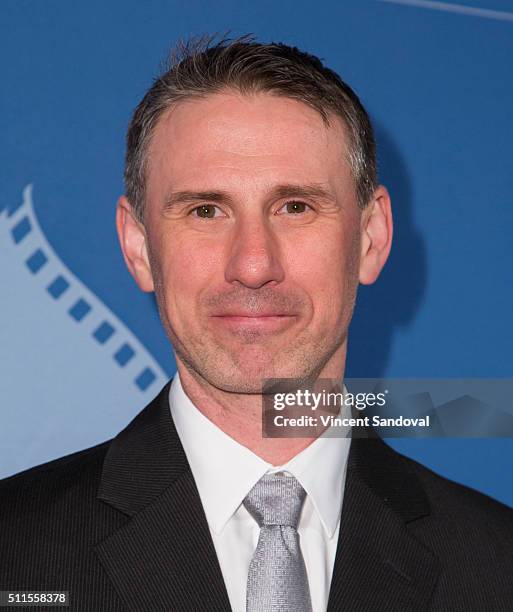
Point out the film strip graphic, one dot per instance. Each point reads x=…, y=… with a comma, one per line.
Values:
x=75, y=300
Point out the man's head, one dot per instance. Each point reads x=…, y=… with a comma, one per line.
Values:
x=252, y=209
x=198, y=70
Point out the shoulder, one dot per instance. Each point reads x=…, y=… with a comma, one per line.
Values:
x=50, y=519
x=464, y=526
x=451, y=498
x=402, y=481
x=69, y=487
x=68, y=479
x=472, y=536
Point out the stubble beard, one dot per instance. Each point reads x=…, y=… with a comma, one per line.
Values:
x=212, y=364
x=243, y=368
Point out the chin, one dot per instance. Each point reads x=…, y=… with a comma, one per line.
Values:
x=243, y=380
x=244, y=369
x=249, y=377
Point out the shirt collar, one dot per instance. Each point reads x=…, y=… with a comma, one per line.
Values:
x=225, y=471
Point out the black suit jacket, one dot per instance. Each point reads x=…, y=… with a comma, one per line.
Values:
x=121, y=526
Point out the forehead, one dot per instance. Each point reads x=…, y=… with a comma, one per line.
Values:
x=230, y=137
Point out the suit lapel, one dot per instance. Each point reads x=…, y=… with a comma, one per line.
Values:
x=379, y=564
x=163, y=557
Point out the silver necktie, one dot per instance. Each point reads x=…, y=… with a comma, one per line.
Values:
x=277, y=580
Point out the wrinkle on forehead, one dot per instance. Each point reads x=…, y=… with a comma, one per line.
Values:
x=227, y=134
x=253, y=120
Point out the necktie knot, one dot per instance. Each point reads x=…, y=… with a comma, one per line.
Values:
x=276, y=499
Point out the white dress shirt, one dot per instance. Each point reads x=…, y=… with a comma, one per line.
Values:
x=225, y=471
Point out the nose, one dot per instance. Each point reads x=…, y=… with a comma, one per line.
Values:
x=254, y=254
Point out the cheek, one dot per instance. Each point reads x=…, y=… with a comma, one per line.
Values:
x=323, y=267
x=188, y=266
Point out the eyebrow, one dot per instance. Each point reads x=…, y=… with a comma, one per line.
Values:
x=313, y=190
x=190, y=197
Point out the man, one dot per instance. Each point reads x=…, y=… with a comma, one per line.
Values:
x=253, y=211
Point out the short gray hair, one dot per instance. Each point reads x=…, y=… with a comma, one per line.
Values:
x=202, y=66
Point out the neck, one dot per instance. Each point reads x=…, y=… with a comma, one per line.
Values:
x=240, y=415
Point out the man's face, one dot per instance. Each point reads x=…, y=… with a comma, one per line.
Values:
x=253, y=235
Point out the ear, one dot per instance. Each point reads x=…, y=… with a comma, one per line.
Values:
x=132, y=238
x=376, y=232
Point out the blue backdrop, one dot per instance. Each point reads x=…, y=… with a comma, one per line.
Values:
x=82, y=349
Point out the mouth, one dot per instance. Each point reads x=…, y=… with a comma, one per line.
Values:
x=253, y=322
